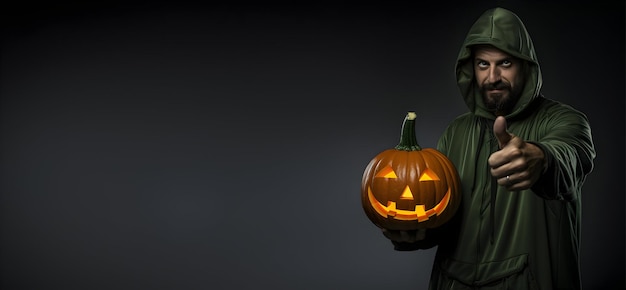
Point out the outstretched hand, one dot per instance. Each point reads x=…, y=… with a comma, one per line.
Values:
x=518, y=164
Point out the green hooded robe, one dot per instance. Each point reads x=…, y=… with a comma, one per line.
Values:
x=500, y=239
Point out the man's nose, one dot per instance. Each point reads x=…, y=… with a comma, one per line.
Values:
x=494, y=75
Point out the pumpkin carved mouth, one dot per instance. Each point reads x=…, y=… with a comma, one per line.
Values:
x=420, y=213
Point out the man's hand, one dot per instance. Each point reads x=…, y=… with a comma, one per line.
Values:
x=518, y=164
x=405, y=236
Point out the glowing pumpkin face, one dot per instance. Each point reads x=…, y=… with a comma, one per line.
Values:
x=410, y=188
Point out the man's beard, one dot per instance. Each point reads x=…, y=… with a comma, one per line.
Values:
x=499, y=103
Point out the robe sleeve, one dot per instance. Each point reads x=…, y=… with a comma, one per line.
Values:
x=567, y=144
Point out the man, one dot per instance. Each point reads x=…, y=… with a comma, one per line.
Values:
x=522, y=160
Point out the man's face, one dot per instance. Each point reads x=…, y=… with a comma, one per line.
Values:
x=499, y=77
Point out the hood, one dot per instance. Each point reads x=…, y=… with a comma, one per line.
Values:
x=502, y=29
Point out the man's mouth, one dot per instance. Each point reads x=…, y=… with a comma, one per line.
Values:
x=495, y=92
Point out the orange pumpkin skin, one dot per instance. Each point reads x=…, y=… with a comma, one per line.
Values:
x=409, y=188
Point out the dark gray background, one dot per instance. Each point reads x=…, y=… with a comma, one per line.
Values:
x=185, y=146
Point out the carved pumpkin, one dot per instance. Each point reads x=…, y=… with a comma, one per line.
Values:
x=409, y=188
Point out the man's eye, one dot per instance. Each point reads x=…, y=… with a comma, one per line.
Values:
x=506, y=63
x=482, y=64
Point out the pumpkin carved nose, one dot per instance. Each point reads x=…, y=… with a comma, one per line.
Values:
x=407, y=194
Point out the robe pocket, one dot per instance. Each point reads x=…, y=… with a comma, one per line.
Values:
x=511, y=273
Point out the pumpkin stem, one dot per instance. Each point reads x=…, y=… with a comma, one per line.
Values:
x=408, y=141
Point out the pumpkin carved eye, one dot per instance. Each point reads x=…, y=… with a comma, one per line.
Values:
x=429, y=175
x=386, y=172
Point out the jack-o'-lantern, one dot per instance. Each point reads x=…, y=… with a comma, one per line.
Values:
x=409, y=188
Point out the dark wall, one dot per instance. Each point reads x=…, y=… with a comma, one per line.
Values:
x=186, y=146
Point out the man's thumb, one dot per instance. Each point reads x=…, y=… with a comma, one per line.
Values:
x=500, y=130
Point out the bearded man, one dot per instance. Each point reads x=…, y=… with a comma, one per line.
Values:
x=522, y=159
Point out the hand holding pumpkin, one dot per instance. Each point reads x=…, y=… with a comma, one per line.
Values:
x=518, y=164
x=405, y=236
